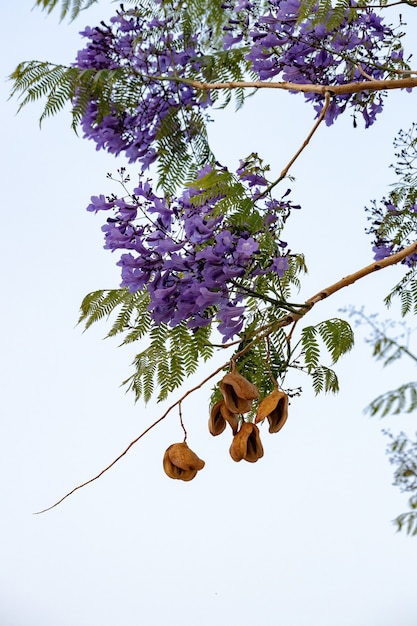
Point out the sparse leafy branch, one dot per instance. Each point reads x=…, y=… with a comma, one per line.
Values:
x=402, y=451
x=394, y=402
x=403, y=454
x=337, y=336
x=69, y=8
x=387, y=349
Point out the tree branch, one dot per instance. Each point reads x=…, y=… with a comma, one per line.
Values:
x=258, y=335
x=333, y=90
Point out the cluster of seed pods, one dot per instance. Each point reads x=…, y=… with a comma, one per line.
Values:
x=180, y=462
x=238, y=397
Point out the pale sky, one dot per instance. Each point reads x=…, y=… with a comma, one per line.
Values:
x=304, y=536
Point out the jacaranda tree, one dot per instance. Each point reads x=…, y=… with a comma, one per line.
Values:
x=205, y=266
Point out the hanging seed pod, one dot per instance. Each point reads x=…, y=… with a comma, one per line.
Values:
x=238, y=392
x=247, y=444
x=216, y=422
x=181, y=463
x=275, y=409
x=181, y=456
x=231, y=418
x=175, y=472
x=219, y=416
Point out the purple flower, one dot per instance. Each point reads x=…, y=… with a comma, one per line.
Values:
x=229, y=326
x=99, y=203
x=381, y=251
x=280, y=265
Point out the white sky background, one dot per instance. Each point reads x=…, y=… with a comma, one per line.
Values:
x=302, y=537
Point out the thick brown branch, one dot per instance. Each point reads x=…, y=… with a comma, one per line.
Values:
x=365, y=271
x=336, y=90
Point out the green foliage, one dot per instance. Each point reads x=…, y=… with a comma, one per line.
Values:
x=324, y=379
x=68, y=7
x=101, y=303
x=337, y=337
x=409, y=298
x=325, y=12
x=265, y=362
x=172, y=355
x=186, y=138
x=311, y=347
x=403, y=454
x=401, y=400
x=408, y=521
x=59, y=85
x=397, y=290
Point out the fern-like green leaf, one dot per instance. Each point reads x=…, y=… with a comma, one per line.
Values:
x=68, y=7
x=338, y=337
x=401, y=400
x=310, y=347
x=408, y=522
x=324, y=379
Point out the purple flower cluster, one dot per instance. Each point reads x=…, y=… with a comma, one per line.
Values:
x=317, y=53
x=146, y=48
x=196, y=263
x=201, y=255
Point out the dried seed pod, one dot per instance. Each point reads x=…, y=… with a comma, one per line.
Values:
x=219, y=416
x=170, y=469
x=231, y=418
x=183, y=457
x=274, y=407
x=238, y=392
x=216, y=422
x=247, y=444
x=176, y=453
x=255, y=448
x=239, y=444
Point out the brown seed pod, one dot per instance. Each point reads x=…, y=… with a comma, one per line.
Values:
x=170, y=469
x=177, y=462
x=231, y=418
x=219, y=417
x=274, y=407
x=183, y=457
x=238, y=392
x=247, y=444
x=216, y=422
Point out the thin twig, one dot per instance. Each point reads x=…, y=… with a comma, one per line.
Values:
x=361, y=71
x=307, y=140
x=181, y=421
x=384, y=6
x=260, y=334
x=132, y=443
x=299, y=151
x=267, y=361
